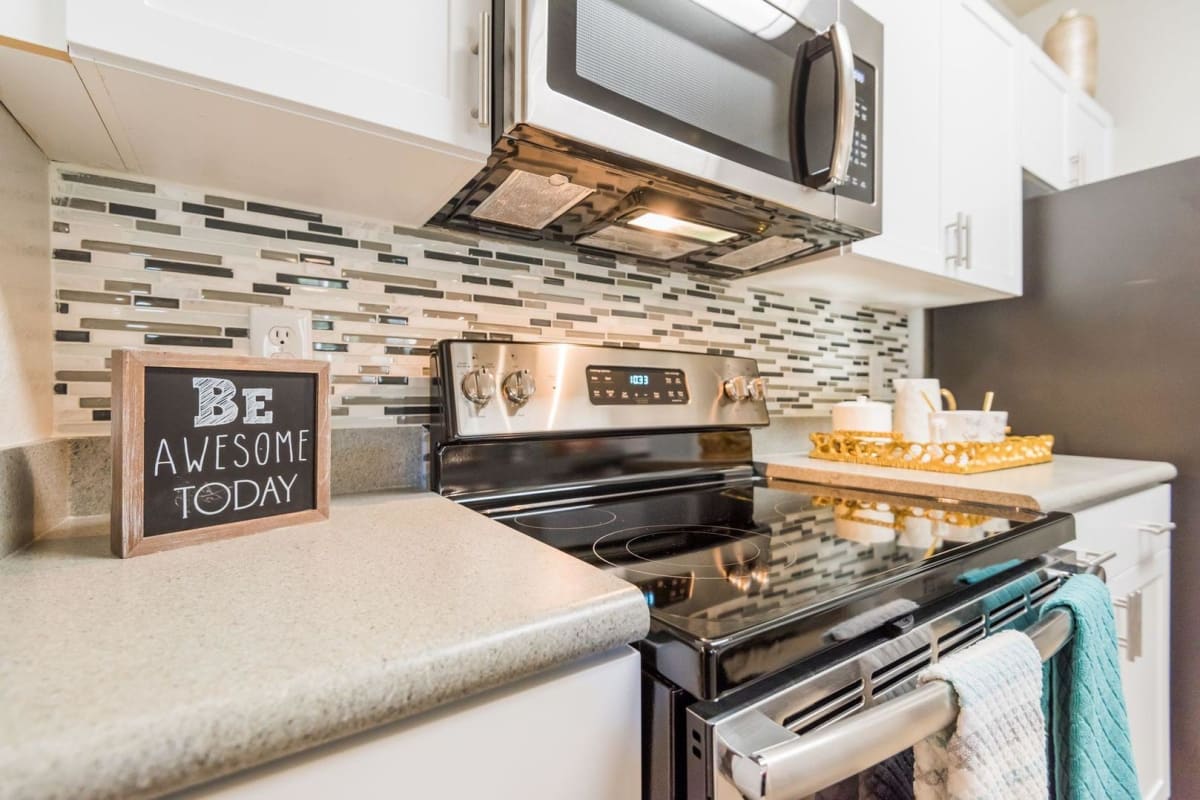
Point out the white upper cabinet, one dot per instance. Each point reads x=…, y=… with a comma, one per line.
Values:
x=1066, y=137
x=405, y=67
x=359, y=105
x=1045, y=108
x=910, y=104
x=1090, y=132
x=981, y=177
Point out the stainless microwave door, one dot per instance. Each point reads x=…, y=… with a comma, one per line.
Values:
x=707, y=88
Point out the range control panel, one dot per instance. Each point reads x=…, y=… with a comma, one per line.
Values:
x=504, y=389
x=636, y=386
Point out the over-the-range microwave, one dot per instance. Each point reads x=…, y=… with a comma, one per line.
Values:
x=724, y=136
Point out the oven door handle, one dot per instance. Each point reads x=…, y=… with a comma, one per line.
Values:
x=766, y=761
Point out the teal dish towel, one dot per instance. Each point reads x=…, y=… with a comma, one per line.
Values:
x=1093, y=756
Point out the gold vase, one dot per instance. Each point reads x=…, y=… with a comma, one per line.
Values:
x=1071, y=43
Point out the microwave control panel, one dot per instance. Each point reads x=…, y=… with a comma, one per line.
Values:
x=860, y=182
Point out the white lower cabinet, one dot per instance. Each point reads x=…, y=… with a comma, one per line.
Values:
x=572, y=732
x=1136, y=530
x=1142, y=596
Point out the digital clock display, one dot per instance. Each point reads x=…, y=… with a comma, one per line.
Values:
x=636, y=386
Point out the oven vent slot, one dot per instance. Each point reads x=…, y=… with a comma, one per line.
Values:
x=1006, y=613
x=829, y=708
x=962, y=636
x=891, y=675
x=1043, y=591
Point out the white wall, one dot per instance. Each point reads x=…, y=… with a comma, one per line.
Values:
x=1149, y=62
x=26, y=372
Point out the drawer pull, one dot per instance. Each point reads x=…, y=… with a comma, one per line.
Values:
x=1091, y=559
x=1132, y=640
x=1157, y=528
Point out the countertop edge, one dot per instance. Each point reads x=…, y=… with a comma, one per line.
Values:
x=1072, y=499
x=1069, y=498
x=211, y=740
x=897, y=484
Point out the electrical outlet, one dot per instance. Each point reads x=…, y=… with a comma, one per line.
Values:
x=280, y=332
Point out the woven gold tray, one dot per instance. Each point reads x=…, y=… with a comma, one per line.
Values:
x=964, y=458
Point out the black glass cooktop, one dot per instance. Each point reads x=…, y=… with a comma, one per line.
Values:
x=737, y=572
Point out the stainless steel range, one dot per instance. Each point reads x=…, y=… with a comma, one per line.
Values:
x=779, y=610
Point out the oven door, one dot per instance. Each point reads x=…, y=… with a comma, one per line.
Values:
x=832, y=729
x=777, y=99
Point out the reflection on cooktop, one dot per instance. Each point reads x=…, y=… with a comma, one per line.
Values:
x=715, y=561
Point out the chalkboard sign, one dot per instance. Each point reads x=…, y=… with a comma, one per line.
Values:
x=207, y=447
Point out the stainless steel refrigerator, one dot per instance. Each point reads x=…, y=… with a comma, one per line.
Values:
x=1103, y=351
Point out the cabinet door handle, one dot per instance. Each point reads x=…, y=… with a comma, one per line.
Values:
x=954, y=256
x=1076, y=170
x=483, y=111
x=1132, y=603
x=967, y=240
x=958, y=228
x=1157, y=528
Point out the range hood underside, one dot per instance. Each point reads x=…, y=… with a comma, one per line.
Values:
x=590, y=195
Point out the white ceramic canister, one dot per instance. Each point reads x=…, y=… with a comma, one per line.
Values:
x=968, y=426
x=862, y=415
x=912, y=412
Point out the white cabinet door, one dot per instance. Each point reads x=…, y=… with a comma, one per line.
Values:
x=404, y=67
x=911, y=234
x=1132, y=528
x=1046, y=100
x=573, y=732
x=1091, y=135
x=1142, y=598
x=981, y=175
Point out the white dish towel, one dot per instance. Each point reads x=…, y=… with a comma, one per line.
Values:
x=996, y=750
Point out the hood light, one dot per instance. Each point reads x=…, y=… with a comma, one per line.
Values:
x=661, y=223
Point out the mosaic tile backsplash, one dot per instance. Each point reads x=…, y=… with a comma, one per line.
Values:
x=143, y=263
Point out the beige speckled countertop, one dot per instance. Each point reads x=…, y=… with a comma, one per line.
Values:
x=136, y=677
x=1068, y=483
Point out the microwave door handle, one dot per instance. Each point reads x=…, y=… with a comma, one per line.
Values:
x=843, y=131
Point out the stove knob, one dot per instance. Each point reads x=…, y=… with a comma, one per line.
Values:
x=736, y=389
x=758, y=389
x=479, y=386
x=519, y=386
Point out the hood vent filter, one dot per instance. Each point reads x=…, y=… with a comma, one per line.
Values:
x=530, y=201
x=773, y=248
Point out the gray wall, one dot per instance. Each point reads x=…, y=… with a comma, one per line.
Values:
x=1103, y=351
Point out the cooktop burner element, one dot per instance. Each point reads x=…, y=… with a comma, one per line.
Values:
x=573, y=520
x=705, y=551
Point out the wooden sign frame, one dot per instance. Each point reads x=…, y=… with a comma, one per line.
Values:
x=128, y=448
